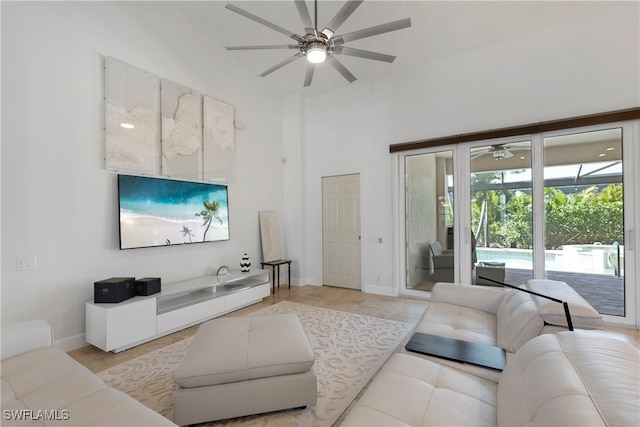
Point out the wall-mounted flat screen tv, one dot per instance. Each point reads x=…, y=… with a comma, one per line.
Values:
x=161, y=212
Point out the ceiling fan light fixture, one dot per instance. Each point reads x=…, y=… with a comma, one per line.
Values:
x=320, y=46
x=316, y=53
x=499, y=154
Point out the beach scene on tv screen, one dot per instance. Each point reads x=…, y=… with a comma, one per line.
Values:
x=160, y=212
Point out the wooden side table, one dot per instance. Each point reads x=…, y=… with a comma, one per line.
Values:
x=275, y=268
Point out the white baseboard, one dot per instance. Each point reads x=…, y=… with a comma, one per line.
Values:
x=304, y=282
x=71, y=343
x=379, y=290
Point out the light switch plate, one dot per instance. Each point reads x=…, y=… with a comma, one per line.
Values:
x=24, y=264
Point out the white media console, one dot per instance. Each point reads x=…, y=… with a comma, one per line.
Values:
x=117, y=327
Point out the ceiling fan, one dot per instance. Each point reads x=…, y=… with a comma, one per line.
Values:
x=323, y=45
x=498, y=152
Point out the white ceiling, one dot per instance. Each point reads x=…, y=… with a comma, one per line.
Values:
x=439, y=29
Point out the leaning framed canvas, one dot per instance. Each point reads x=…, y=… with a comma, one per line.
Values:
x=269, y=236
x=162, y=211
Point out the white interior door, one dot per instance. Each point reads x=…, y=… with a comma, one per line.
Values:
x=341, y=231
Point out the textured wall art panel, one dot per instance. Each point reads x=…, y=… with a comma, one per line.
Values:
x=132, y=138
x=155, y=126
x=219, y=145
x=181, y=131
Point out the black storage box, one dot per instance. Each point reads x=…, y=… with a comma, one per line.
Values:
x=148, y=286
x=116, y=289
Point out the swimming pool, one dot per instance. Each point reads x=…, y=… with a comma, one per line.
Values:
x=594, y=259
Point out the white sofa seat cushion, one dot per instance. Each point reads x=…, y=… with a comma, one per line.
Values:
x=233, y=349
x=47, y=379
x=571, y=378
x=458, y=322
x=411, y=391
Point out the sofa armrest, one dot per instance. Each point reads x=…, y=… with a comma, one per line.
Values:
x=476, y=297
x=22, y=337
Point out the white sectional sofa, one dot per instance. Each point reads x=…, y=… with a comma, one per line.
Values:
x=576, y=378
x=42, y=385
x=503, y=317
x=552, y=376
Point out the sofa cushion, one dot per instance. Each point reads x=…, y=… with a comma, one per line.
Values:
x=232, y=349
x=458, y=322
x=25, y=336
x=518, y=320
x=411, y=391
x=583, y=315
x=571, y=378
x=47, y=379
x=478, y=297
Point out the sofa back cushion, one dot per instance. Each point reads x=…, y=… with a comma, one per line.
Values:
x=583, y=315
x=518, y=320
x=571, y=378
x=25, y=336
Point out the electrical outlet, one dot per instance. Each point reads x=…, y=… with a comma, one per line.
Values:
x=24, y=264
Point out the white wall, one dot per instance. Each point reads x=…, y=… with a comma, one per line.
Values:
x=58, y=203
x=293, y=158
x=582, y=67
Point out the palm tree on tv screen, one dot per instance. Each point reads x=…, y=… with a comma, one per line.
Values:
x=210, y=211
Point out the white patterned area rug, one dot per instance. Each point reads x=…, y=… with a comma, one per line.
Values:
x=349, y=350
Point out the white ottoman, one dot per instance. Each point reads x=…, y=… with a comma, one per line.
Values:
x=240, y=366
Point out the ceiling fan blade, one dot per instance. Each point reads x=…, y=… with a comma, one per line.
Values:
x=303, y=11
x=263, y=22
x=480, y=151
x=341, y=69
x=309, y=75
x=349, y=7
x=367, y=54
x=373, y=31
x=272, y=46
x=282, y=64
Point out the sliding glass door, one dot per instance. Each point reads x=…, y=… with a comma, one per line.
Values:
x=501, y=213
x=553, y=205
x=429, y=256
x=584, y=208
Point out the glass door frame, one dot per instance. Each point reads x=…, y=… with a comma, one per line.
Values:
x=400, y=219
x=631, y=192
x=465, y=196
x=462, y=190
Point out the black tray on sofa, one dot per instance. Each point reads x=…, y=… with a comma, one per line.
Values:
x=486, y=356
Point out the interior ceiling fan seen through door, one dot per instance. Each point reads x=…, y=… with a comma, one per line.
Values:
x=322, y=45
x=498, y=152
